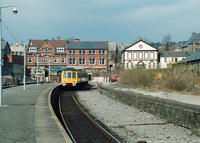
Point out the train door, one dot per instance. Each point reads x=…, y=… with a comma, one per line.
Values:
x=90, y=76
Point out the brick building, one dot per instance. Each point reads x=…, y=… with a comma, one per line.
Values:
x=89, y=56
x=43, y=55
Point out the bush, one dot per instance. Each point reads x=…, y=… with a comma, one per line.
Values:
x=138, y=77
x=179, y=78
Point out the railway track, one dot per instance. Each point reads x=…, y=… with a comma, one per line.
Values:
x=79, y=125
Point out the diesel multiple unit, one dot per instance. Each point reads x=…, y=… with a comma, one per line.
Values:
x=72, y=77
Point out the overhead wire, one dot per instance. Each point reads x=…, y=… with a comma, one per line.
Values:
x=9, y=31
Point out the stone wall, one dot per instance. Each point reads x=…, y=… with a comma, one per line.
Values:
x=182, y=114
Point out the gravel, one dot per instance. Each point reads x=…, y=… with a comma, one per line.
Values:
x=131, y=124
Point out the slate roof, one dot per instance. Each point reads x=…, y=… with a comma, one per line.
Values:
x=191, y=39
x=195, y=41
x=3, y=44
x=173, y=54
x=54, y=43
x=136, y=43
x=87, y=45
x=193, y=57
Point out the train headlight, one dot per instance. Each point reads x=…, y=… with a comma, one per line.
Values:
x=63, y=84
x=74, y=83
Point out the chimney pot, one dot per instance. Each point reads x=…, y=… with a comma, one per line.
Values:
x=122, y=45
x=58, y=38
x=76, y=40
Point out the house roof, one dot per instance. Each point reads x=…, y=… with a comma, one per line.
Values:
x=139, y=40
x=173, y=54
x=193, y=57
x=17, y=47
x=195, y=41
x=87, y=45
x=191, y=39
x=54, y=43
x=3, y=44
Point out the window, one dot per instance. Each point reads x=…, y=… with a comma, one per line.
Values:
x=81, y=52
x=129, y=55
x=165, y=60
x=32, y=49
x=73, y=75
x=81, y=61
x=13, y=53
x=39, y=71
x=101, y=61
x=63, y=59
x=140, y=55
x=55, y=59
x=20, y=53
x=72, y=52
x=152, y=56
x=38, y=60
x=102, y=52
x=92, y=61
x=30, y=59
x=60, y=50
x=46, y=59
x=176, y=59
x=46, y=50
x=72, y=61
x=91, y=52
x=64, y=75
x=16, y=53
x=135, y=55
x=69, y=75
x=146, y=55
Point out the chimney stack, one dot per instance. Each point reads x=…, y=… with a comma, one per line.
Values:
x=58, y=38
x=76, y=40
x=193, y=33
x=122, y=45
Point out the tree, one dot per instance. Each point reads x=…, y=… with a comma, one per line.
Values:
x=167, y=41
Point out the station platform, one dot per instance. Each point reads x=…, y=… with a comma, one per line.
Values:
x=26, y=117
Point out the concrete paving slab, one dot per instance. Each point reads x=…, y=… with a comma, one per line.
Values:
x=25, y=116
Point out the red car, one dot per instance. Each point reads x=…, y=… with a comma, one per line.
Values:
x=114, y=77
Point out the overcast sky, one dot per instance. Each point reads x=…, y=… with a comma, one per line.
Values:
x=121, y=21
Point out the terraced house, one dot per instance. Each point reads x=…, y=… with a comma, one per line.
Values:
x=45, y=55
x=88, y=55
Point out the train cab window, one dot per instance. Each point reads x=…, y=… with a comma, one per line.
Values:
x=69, y=75
x=74, y=75
x=64, y=75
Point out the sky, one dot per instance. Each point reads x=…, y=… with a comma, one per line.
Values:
x=121, y=21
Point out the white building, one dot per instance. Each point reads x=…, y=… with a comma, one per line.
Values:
x=167, y=58
x=140, y=54
x=17, y=49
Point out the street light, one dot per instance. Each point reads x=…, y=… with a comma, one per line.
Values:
x=15, y=12
x=24, y=45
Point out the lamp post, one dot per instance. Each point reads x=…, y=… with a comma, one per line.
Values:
x=15, y=12
x=37, y=69
x=24, y=65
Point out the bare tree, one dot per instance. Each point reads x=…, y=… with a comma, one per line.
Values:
x=167, y=41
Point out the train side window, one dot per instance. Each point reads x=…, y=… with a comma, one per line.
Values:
x=74, y=75
x=64, y=75
x=69, y=75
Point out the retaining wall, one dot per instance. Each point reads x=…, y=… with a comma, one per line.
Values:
x=182, y=114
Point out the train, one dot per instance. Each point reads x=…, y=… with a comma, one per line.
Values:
x=73, y=77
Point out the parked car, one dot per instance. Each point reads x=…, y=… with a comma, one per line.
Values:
x=114, y=77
